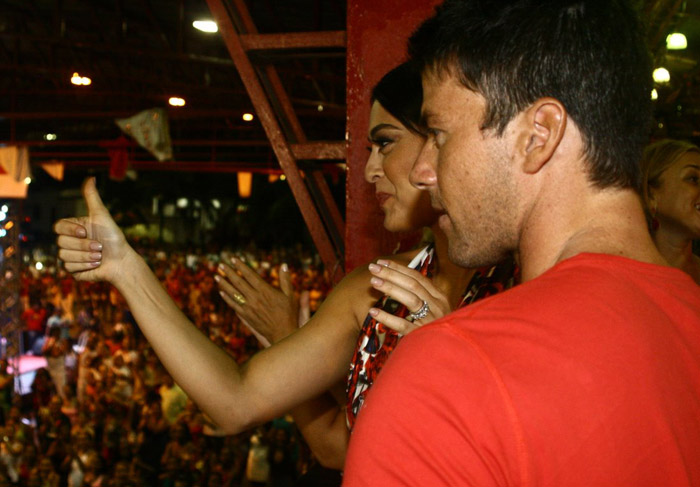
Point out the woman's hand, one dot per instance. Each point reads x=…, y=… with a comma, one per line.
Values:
x=410, y=288
x=92, y=247
x=269, y=312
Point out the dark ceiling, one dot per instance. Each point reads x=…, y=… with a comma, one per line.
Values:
x=140, y=52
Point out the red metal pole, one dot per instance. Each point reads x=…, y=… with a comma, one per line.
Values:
x=377, y=34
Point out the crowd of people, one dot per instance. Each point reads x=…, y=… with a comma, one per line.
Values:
x=580, y=365
x=104, y=412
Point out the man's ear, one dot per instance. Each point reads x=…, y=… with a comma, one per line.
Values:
x=543, y=126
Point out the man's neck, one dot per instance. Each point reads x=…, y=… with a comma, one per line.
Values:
x=609, y=221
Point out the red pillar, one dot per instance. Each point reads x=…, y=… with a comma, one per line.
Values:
x=376, y=42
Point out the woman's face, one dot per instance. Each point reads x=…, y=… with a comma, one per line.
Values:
x=393, y=151
x=677, y=200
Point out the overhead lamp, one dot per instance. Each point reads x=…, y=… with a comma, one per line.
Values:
x=78, y=80
x=27, y=180
x=247, y=117
x=49, y=136
x=661, y=75
x=676, y=42
x=654, y=94
x=208, y=26
x=5, y=208
x=39, y=266
x=319, y=108
x=182, y=203
x=245, y=184
x=176, y=101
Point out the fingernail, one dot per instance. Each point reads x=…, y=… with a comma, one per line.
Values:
x=217, y=277
x=233, y=260
x=376, y=281
x=373, y=311
x=95, y=246
x=221, y=267
x=374, y=268
x=284, y=267
x=383, y=262
x=94, y=264
x=95, y=256
x=80, y=232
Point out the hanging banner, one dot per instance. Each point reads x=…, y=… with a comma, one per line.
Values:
x=150, y=129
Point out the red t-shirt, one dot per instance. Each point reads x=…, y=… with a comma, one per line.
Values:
x=588, y=375
x=34, y=319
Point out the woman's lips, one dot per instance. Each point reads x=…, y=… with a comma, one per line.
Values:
x=382, y=197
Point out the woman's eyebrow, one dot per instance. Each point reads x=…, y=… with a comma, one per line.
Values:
x=379, y=127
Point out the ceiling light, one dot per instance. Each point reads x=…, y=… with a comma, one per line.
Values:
x=208, y=26
x=182, y=203
x=176, y=101
x=661, y=75
x=319, y=108
x=654, y=94
x=27, y=180
x=247, y=117
x=49, y=136
x=39, y=266
x=676, y=42
x=5, y=209
x=78, y=80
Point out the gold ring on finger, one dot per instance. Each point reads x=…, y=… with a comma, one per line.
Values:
x=239, y=298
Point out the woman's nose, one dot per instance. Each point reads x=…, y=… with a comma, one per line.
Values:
x=373, y=168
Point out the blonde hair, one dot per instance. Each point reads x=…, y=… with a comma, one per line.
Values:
x=658, y=157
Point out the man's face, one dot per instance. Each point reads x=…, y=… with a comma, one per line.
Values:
x=468, y=172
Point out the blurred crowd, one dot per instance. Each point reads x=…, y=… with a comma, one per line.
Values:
x=104, y=412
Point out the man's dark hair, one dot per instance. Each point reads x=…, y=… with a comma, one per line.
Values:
x=400, y=93
x=588, y=54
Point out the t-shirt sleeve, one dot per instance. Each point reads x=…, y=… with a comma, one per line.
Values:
x=438, y=414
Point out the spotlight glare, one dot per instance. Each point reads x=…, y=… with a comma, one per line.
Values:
x=49, y=136
x=39, y=266
x=27, y=180
x=676, y=42
x=247, y=117
x=176, y=101
x=3, y=215
x=654, y=94
x=661, y=75
x=208, y=26
x=4, y=209
x=3, y=232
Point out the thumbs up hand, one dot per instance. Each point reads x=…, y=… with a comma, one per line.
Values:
x=92, y=247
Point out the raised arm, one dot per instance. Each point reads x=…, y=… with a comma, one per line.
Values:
x=269, y=384
x=273, y=314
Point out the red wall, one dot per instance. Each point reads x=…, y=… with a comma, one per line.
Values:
x=377, y=32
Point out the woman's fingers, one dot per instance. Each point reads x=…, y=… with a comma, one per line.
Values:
x=78, y=244
x=70, y=227
x=401, y=287
x=232, y=272
x=399, y=325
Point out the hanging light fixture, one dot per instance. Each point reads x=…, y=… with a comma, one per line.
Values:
x=245, y=184
x=676, y=41
x=208, y=26
x=661, y=75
